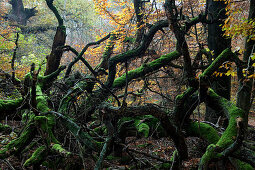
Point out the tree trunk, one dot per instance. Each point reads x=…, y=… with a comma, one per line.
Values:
x=53, y=60
x=217, y=43
x=20, y=14
x=245, y=87
x=138, y=6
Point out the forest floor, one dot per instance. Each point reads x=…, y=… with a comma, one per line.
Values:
x=148, y=153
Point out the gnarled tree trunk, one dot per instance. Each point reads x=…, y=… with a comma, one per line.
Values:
x=20, y=14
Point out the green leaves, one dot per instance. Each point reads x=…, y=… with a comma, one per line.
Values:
x=253, y=56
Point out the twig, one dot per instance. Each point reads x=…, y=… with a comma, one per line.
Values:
x=126, y=87
x=9, y=164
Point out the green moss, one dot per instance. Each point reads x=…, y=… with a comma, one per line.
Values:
x=240, y=165
x=111, y=157
x=17, y=145
x=229, y=135
x=227, y=53
x=28, y=76
x=163, y=166
x=181, y=96
x=100, y=130
x=63, y=28
x=29, y=147
x=27, y=115
x=203, y=130
x=58, y=148
x=175, y=154
x=142, y=128
x=129, y=39
x=44, y=122
x=5, y=128
x=145, y=69
x=7, y=105
x=143, y=124
x=233, y=112
x=208, y=155
x=81, y=86
x=80, y=135
x=37, y=157
x=245, y=166
x=42, y=104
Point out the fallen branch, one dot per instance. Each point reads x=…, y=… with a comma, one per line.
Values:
x=103, y=153
x=81, y=136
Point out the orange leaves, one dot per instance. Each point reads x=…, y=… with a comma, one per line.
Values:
x=231, y=72
x=228, y=70
x=5, y=30
x=237, y=23
x=118, y=12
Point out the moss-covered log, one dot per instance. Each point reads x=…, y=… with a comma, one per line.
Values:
x=203, y=131
x=146, y=68
x=42, y=152
x=245, y=155
x=9, y=106
x=37, y=124
x=185, y=104
x=37, y=157
x=17, y=145
x=226, y=55
x=101, y=95
x=60, y=150
x=103, y=153
x=232, y=112
x=75, y=91
x=106, y=55
x=80, y=135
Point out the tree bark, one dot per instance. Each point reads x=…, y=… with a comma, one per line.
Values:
x=217, y=43
x=245, y=85
x=20, y=14
x=53, y=60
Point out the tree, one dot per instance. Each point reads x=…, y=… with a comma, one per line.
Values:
x=217, y=42
x=20, y=14
x=105, y=99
